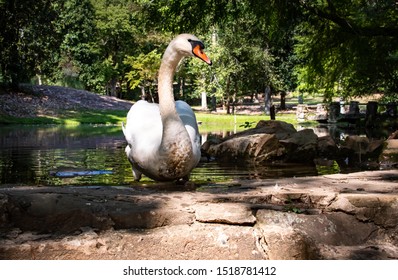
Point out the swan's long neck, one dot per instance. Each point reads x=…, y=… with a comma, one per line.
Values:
x=175, y=138
x=167, y=69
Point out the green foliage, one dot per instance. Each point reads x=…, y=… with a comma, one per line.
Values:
x=28, y=39
x=333, y=47
x=76, y=26
x=242, y=61
x=291, y=207
x=144, y=69
x=347, y=48
x=116, y=35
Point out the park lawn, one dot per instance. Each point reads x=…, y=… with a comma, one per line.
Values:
x=72, y=118
x=208, y=122
x=221, y=122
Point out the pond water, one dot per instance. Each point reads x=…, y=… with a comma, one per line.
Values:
x=90, y=155
x=94, y=155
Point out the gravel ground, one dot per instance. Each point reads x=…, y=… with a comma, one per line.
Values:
x=35, y=101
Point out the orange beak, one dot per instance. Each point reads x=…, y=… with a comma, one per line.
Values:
x=198, y=52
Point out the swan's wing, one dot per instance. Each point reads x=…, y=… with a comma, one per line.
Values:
x=187, y=115
x=189, y=120
x=143, y=130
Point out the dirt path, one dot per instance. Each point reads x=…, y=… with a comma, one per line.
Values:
x=42, y=100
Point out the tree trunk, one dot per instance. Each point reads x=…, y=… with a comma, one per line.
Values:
x=214, y=103
x=204, y=101
x=267, y=100
x=150, y=95
x=234, y=98
x=112, y=87
x=143, y=94
x=283, y=100
x=228, y=95
x=272, y=112
x=391, y=109
x=334, y=112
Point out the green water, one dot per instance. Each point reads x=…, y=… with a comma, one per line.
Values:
x=94, y=155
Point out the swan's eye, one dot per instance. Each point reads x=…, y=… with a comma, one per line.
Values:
x=195, y=43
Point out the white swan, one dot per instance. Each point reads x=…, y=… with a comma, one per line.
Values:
x=163, y=139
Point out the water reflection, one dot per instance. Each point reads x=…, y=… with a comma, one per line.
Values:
x=33, y=155
x=215, y=171
x=339, y=133
x=37, y=155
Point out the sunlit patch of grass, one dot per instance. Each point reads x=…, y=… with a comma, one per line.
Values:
x=72, y=118
x=222, y=122
x=94, y=117
x=29, y=121
x=208, y=122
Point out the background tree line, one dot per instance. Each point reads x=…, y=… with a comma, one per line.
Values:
x=333, y=47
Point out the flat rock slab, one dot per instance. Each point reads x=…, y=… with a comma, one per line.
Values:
x=342, y=216
x=179, y=242
x=224, y=213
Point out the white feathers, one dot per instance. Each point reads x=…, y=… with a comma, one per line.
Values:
x=163, y=139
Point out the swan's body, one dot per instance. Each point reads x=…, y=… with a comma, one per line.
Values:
x=163, y=139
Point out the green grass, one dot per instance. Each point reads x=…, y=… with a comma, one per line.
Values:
x=221, y=122
x=94, y=117
x=72, y=118
x=209, y=122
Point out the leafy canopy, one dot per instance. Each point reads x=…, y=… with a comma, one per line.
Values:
x=334, y=47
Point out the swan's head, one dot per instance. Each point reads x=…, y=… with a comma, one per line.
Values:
x=190, y=45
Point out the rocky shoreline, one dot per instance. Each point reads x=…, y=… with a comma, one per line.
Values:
x=341, y=216
x=279, y=142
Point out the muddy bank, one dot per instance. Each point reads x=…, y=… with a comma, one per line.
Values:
x=353, y=216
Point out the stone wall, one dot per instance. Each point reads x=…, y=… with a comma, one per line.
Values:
x=353, y=216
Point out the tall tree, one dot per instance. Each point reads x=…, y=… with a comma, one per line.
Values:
x=77, y=50
x=335, y=47
x=28, y=39
x=348, y=48
x=143, y=73
x=115, y=22
x=243, y=52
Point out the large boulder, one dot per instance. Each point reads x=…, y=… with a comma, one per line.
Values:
x=394, y=135
x=291, y=236
x=327, y=147
x=280, y=142
x=360, y=149
x=389, y=156
x=282, y=130
x=269, y=141
x=301, y=146
x=256, y=148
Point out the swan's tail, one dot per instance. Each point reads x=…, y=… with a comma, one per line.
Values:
x=126, y=136
x=124, y=129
